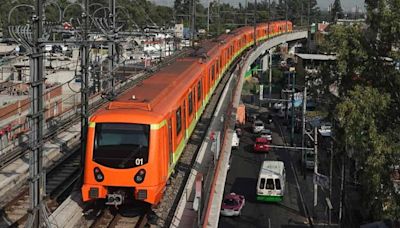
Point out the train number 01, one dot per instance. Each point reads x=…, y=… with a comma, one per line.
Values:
x=139, y=161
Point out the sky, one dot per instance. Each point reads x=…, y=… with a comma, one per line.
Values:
x=347, y=5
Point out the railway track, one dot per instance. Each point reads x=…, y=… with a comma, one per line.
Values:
x=63, y=174
x=109, y=218
x=9, y=157
x=59, y=180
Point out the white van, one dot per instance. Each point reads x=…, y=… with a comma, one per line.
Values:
x=235, y=140
x=271, y=181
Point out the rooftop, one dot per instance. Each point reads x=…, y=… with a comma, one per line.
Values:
x=320, y=57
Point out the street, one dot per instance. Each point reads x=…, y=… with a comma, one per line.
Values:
x=242, y=179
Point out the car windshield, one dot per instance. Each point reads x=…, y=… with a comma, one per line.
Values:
x=121, y=145
x=259, y=124
x=230, y=202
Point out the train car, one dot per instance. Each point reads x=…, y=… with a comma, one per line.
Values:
x=135, y=142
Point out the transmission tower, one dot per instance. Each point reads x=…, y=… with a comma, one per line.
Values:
x=84, y=80
x=32, y=38
x=111, y=45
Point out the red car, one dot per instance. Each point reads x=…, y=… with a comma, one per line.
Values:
x=261, y=145
x=232, y=205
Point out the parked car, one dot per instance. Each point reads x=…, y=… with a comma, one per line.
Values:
x=325, y=130
x=266, y=133
x=261, y=145
x=258, y=126
x=269, y=118
x=235, y=140
x=232, y=204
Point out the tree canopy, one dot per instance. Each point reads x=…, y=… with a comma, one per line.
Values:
x=368, y=105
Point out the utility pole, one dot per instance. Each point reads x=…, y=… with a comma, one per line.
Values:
x=342, y=196
x=293, y=117
x=315, y=166
x=270, y=75
x=303, y=130
x=37, y=185
x=111, y=46
x=330, y=181
x=193, y=21
x=84, y=81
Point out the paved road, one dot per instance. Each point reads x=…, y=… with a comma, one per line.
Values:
x=242, y=179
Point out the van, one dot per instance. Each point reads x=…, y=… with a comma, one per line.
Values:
x=271, y=182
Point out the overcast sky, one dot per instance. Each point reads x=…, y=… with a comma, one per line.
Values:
x=347, y=5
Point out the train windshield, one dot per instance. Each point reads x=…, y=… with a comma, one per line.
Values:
x=121, y=145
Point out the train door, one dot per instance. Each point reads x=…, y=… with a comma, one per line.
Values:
x=184, y=119
x=170, y=145
x=200, y=93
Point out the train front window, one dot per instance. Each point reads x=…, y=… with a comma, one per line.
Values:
x=121, y=145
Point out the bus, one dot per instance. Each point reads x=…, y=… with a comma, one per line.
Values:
x=271, y=181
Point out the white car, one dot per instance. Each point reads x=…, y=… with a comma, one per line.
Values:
x=235, y=140
x=325, y=130
x=266, y=133
x=258, y=126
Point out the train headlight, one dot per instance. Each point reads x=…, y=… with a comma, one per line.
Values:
x=139, y=177
x=98, y=175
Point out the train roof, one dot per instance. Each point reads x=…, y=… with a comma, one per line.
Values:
x=153, y=96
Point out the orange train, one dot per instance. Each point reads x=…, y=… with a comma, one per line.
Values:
x=134, y=143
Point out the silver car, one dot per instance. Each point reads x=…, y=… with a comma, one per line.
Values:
x=258, y=126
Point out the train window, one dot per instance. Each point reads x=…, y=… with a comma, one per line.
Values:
x=178, y=121
x=171, y=152
x=199, y=91
x=220, y=62
x=217, y=66
x=213, y=72
x=190, y=103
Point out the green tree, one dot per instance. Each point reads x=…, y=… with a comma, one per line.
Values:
x=336, y=11
x=368, y=106
x=360, y=114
